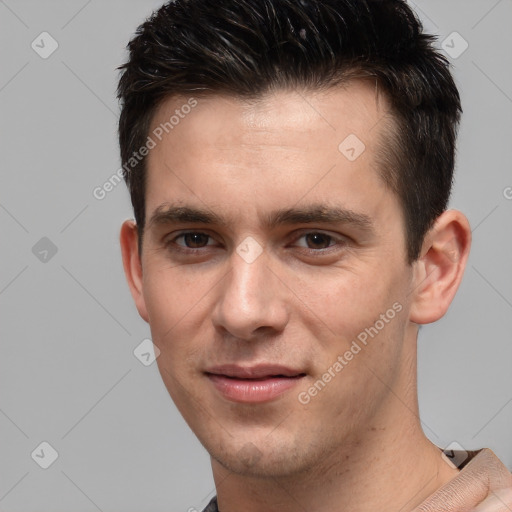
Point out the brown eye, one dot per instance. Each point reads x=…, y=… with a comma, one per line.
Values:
x=193, y=240
x=318, y=240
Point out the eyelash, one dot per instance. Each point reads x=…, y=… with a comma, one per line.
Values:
x=334, y=241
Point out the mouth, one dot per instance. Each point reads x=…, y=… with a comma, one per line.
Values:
x=255, y=384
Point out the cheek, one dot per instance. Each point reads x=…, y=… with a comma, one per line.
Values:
x=355, y=371
x=172, y=295
x=345, y=302
x=178, y=308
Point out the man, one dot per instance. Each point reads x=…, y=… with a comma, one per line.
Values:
x=290, y=165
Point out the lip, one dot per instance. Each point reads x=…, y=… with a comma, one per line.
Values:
x=254, y=384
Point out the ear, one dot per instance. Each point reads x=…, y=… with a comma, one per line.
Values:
x=132, y=265
x=439, y=269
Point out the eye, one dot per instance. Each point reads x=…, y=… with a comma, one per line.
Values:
x=193, y=240
x=317, y=241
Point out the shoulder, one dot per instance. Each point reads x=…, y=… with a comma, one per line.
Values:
x=482, y=476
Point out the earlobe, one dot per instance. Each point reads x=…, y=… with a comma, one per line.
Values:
x=438, y=271
x=132, y=265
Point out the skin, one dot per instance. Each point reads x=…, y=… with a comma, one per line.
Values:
x=300, y=303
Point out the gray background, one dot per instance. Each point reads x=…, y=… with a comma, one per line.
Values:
x=68, y=326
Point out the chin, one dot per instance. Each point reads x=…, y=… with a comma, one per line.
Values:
x=262, y=458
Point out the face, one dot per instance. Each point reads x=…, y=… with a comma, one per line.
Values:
x=274, y=274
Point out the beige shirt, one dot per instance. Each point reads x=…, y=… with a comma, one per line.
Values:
x=483, y=481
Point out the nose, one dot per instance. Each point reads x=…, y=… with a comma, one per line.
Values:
x=252, y=300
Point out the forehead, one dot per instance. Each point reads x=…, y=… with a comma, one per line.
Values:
x=287, y=116
x=279, y=148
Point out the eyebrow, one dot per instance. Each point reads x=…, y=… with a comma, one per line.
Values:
x=316, y=213
x=168, y=214
x=320, y=214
